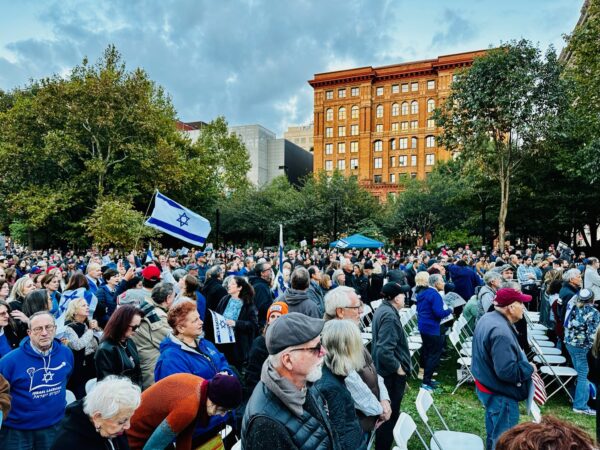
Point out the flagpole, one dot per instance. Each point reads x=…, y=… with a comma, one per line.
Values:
x=145, y=216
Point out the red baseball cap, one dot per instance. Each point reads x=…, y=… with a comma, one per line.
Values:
x=507, y=296
x=151, y=273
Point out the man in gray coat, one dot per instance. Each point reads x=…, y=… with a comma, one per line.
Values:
x=297, y=296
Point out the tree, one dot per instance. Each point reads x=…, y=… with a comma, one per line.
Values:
x=500, y=111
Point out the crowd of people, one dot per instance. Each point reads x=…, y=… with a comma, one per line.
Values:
x=113, y=350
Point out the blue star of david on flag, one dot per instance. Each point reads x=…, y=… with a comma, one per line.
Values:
x=170, y=217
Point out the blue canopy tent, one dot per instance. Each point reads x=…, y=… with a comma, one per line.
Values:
x=356, y=241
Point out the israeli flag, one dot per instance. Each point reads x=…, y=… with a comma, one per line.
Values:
x=170, y=217
x=149, y=254
x=280, y=286
x=341, y=244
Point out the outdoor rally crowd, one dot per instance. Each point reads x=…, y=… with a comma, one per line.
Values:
x=131, y=344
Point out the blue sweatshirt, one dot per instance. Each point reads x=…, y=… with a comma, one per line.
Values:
x=38, y=385
x=431, y=309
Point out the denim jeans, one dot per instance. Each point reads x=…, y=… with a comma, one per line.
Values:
x=431, y=352
x=501, y=414
x=580, y=364
x=42, y=439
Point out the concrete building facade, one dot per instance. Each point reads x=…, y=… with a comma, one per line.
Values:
x=302, y=136
x=375, y=123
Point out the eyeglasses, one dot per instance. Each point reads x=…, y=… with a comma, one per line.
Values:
x=355, y=307
x=48, y=328
x=315, y=350
x=134, y=327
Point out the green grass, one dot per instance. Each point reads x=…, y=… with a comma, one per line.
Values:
x=463, y=411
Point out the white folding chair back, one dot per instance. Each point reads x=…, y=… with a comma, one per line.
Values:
x=534, y=409
x=89, y=385
x=237, y=446
x=403, y=430
x=70, y=397
x=376, y=304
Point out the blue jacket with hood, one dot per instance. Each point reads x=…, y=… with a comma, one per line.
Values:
x=38, y=385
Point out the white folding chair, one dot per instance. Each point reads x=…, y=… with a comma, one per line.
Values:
x=403, y=430
x=464, y=361
x=70, y=397
x=90, y=384
x=534, y=409
x=237, y=446
x=555, y=374
x=444, y=439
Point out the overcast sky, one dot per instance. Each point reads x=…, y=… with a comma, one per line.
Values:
x=249, y=60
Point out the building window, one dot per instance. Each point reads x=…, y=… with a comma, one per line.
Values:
x=395, y=109
x=354, y=130
x=430, y=142
x=341, y=164
x=454, y=77
x=430, y=84
x=329, y=95
x=377, y=178
x=414, y=107
x=342, y=113
x=341, y=147
x=328, y=149
x=329, y=165
x=329, y=132
x=378, y=146
x=354, y=163
x=414, y=87
x=378, y=163
x=379, y=111
x=413, y=142
x=354, y=146
x=402, y=161
x=354, y=92
x=392, y=144
x=329, y=115
x=429, y=160
x=430, y=123
x=403, y=143
x=379, y=91
x=404, y=126
x=404, y=108
x=414, y=124
x=430, y=105
x=394, y=126
x=413, y=160
x=395, y=89
x=354, y=112
x=392, y=177
x=404, y=87
x=392, y=161
x=341, y=131
x=341, y=93
x=379, y=128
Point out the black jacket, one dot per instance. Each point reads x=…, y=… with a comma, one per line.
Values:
x=113, y=359
x=361, y=286
x=76, y=430
x=256, y=359
x=263, y=297
x=246, y=328
x=389, y=347
x=374, y=290
x=213, y=291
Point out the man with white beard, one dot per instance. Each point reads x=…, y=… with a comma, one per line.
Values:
x=285, y=411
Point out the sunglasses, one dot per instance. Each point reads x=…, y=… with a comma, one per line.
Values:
x=315, y=350
x=134, y=327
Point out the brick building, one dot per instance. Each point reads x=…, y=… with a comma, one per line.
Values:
x=375, y=122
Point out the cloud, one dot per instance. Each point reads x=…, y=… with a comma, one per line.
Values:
x=456, y=29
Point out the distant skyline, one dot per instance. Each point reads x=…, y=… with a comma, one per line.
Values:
x=249, y=60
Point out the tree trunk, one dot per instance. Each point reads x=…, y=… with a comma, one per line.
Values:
x=504, y=191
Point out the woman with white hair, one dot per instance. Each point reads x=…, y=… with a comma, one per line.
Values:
x=99, y=421
x=344, y=356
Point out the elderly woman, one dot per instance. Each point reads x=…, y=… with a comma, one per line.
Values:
x=389, y=349
x=241, y=314
x=117, y=353
x=430, y=312
x=99, y=421
x=172, y=408
x=344, y=356
x=9, y=339
x=581, y=322
x=338, y=278
x=79, y=334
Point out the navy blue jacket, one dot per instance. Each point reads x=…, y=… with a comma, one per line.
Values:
x=465, y=281
x=430, y=311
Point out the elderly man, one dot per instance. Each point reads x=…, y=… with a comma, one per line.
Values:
x=263, y=295
x=487, y=293
x=284, y=411
x=368, y=389
x=37, y=372
x=500, y=368
x=297, y=297
x=153, y=329
x=93, y=275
